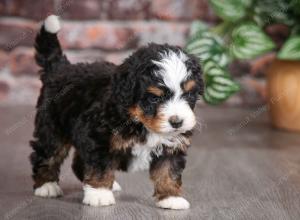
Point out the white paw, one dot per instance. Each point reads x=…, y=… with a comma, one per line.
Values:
x=173, y=202
x=50, y=189
x=98, y=196
x=116, y=187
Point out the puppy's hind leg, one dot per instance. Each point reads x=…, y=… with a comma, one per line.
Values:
x=46, y=159
x=46, y=169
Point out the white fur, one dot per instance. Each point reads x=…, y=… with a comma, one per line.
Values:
x=173, y=202
x=142, y=152
x=52, y=24
x=172, y=69
x=49, y=189
x=173, y=72
x=98, y=196
x=116, y=187
x=179, y=107
x=141, y=158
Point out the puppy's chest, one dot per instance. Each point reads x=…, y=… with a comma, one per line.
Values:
x=154, y=145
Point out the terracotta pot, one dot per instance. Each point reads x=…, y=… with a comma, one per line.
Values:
x=284, y=94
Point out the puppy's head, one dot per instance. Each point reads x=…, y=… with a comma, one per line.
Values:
x=159, y=86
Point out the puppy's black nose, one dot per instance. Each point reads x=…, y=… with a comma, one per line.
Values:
x=175, y=121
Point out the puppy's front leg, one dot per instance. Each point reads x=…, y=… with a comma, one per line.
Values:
x=98, y=164
x=165, y=172
x=98, y=187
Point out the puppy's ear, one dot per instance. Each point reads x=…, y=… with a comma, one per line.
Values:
x=193, y=65
x=125, y=85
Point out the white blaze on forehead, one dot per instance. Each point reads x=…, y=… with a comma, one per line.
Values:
x=172, y=69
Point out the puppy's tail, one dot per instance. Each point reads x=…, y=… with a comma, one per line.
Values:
x=48, y=49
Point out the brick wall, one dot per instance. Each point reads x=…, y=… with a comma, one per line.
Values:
x=95, y=30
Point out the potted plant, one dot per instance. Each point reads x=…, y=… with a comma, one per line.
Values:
x=241, y=36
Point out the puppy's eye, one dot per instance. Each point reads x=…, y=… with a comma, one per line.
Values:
x=153, y=99
x=190, y=96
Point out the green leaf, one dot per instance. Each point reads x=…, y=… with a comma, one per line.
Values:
x=219, y=85
x=295, y=5
x=230, y=10
x=295, y=30
x=268, y=12
x=206, y=45
x=291, y=49
x=198, y=27
x=249, y=41
x=246, y=3
x=212, y=54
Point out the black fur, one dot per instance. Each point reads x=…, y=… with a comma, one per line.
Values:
x=84, y=104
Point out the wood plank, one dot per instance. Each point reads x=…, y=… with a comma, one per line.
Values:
x=238, y=168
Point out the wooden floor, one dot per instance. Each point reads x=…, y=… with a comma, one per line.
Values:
x=238, y=168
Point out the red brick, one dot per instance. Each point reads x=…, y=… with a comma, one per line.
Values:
x=96, y=55
x=101, y=35
x=126, y=9
x=3, y=59
x=21, y=62
x=22, y=90
x=86, y=56
x=161, y=32
x=15, y=33
x=2, y=7
x=117, y=57
x=35, y=9
x=119, y=36
x=181, y=10
x=79, y=9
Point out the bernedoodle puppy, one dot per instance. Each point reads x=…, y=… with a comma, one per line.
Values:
x=134, y=116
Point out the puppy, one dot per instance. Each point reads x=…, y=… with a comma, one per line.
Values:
x=134, y=116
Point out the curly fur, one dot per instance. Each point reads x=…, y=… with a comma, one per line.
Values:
x=87, y=105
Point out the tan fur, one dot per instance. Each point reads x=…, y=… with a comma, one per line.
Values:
x=182, y=145
x=189, y=85
x=153, y=123
x=155, y=90
x=119, y=143
x=97, y=180
x=164, y=184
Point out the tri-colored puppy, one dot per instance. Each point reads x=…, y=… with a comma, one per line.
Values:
x=134, y=116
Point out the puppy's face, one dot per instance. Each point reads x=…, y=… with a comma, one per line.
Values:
x=170, y=91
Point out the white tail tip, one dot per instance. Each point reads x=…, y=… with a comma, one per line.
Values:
x=52, y=24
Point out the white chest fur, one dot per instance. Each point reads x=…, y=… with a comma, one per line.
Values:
x=141, y=152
